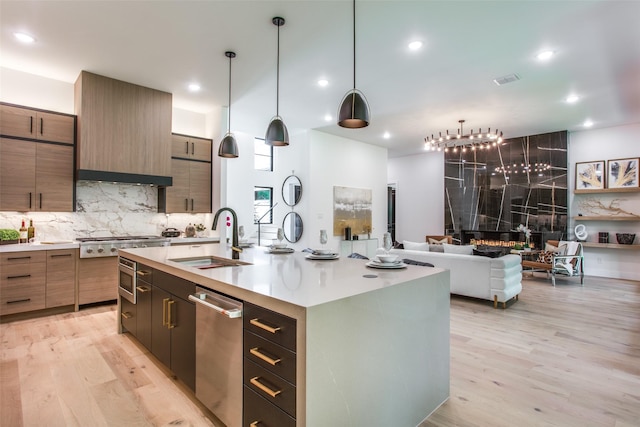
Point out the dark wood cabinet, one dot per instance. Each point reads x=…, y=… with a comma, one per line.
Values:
x=128, y=316
x=269, y=367
x=144, y=291
x=173, y=325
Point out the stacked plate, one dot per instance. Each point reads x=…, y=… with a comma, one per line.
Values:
x=285, y=250
x=379, y=263
x=320, y=254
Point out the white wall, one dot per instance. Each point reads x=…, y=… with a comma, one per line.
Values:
x=336, y=161
x=605, y=144
x=419, y=184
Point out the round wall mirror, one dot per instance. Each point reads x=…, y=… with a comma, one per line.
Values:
x=291, y=190
x=292, y=227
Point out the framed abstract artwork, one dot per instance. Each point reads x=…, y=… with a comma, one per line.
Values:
x=590, y=175
x=622, y=173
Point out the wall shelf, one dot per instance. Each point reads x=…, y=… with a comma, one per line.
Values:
x=606, y=218
x=610, y=246
x=607, y=190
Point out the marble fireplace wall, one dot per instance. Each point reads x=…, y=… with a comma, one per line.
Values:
x=523, y=181
x=106, y=209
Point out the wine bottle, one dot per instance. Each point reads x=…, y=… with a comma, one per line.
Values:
x=23, y=233
x=31, y=231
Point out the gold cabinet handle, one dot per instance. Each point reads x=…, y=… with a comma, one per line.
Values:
x=170, y=304
x=164, y=311
x=125, y=315
x=259, y=324
x=142, y=289
x=256, y=352
x=254, y=424
x=263, y=387
x=143, y=273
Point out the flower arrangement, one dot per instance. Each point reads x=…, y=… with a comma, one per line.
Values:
x=200, y=227
x=527, y=233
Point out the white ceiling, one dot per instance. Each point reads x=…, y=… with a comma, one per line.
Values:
x=168, y=44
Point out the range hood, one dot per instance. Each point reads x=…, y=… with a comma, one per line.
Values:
x=124, y=132
x=129, y=178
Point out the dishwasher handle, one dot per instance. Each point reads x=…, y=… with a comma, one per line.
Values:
x=202, y=298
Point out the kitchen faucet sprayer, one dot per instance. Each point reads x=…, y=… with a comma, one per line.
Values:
x=235, y=247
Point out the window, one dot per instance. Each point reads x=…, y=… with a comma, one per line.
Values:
x=262, y=204
x=262, y=155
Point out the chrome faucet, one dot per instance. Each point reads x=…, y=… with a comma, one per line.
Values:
x=235, y=248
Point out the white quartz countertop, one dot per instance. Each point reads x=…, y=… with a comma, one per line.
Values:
x=193, y=240
x=39, y=246
x=289, y=278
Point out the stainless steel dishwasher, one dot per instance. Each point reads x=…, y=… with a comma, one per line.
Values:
x=219, y=354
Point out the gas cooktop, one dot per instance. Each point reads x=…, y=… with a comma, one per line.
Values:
x=95, y=247
x=116, y=238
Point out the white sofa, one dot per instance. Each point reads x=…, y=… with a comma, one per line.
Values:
x=494, y=279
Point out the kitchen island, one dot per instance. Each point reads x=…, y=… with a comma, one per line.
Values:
x=372, y=345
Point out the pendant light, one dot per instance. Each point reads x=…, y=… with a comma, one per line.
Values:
x=354, y=110
x=228, y=145
x=277, y=133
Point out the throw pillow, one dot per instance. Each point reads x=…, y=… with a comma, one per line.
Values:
x=456, y=249
x=438, y=242
x=560, y=250
x=415, y=246
x=546, y=257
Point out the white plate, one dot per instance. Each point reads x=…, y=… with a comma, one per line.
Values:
x=392, y=265
x=323, y=252
x=280, y=251
x=323, y=257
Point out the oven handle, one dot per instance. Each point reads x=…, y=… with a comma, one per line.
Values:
x=201, y=299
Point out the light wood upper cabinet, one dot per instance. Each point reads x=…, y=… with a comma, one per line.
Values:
x=122, y=127
x=35, y=176
x=35, y=124
x=189, y=147
x=191, y=190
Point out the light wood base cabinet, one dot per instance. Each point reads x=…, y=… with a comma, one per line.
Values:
x=22, y=281
x=61, y=277
x=97, y=279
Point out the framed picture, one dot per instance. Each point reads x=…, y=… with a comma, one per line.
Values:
x=590, y=175
x=622, y=173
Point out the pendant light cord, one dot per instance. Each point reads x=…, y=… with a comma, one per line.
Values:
x=229, y=113
x=278, y=75
x=354, y=44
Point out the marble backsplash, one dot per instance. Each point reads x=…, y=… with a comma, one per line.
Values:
x=106, y=209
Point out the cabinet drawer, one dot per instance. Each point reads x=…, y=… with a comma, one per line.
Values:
x=144, y=273
x=128, y=316
x=270, y=325
x=270, y=386
x=22, y=289
x=175, y=285
x=273, y=357
x=260, y=411
x=29, y=257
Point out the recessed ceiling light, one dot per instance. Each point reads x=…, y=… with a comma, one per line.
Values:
x=25, y=38
x=587, y=123
x=323, y=82
x=415, y=45
x=572, y=99
x=194, y=87
x=386, y=135
x=328, y=118
x=545, y=55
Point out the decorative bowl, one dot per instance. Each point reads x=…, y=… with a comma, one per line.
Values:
x=387, y=258
x=322, y=251
x=279, y=245
x=625, y=238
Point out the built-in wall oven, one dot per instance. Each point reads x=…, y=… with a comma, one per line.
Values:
x=127, y=279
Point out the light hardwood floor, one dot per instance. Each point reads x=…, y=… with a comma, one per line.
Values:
x=563, y=356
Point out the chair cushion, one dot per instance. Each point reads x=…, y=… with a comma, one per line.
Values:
x=456, y=249
x=415, y=246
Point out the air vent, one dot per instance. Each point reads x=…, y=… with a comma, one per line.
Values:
x=506, y=79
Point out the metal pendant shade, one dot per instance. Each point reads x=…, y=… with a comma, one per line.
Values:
x=228, y=146
x=277, y=134
x=354, y=110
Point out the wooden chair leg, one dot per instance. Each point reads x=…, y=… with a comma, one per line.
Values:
x=517, y=297
x=504, y=305
x=495, y=301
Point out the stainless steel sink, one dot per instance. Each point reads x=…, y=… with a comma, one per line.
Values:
x=207, y=262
